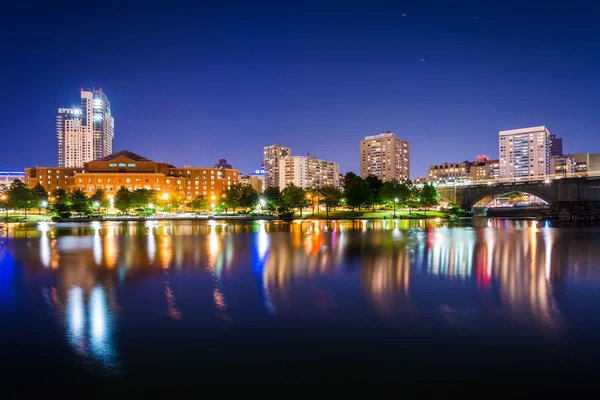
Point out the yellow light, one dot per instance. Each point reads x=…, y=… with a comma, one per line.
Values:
x=213, y=197
x=165, y=196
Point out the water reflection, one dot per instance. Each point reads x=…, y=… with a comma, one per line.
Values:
x=512, y=272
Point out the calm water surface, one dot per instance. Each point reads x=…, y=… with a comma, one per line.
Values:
x=171, y=304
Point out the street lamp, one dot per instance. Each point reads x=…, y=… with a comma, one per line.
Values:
x=97, y=205
x=262, y=203
x=395, y=202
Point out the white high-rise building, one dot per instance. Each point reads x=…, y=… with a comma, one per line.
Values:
x=524, y=153
x=308, y=172
x=272, y=155
x=85, y=133
x=385, y=156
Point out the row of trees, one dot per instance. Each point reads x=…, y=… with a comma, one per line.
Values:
x=372, y=192
x=357, y=193
x=18, y=196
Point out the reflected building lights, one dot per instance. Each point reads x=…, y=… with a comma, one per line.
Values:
x=75, y=319
x=45, y=250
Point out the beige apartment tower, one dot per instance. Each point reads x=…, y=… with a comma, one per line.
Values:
x=308, y=172
x=272, y=155
x=385, y=156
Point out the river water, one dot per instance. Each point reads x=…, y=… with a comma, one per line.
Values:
x=162, y=305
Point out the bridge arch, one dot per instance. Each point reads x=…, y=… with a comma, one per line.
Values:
x=492, y=192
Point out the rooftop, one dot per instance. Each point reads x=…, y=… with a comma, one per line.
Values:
x=123, y=153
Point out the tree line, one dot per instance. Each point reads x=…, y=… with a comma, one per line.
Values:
x=357, y=193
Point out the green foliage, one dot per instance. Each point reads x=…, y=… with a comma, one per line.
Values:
x=122, y=201
x=429, y=196
x=330, y=197
x=199, y=203
x=273, y=199
x=100, y=198
x=348, y=178
x=142, y=198
x=240, y=196
x=357, y=192
x=80, y=203
x=20, y=197
x=375, y=185
x=39, y=196
x=248, y=198
x=61, y=202
x=294, y=197
x=392, y=190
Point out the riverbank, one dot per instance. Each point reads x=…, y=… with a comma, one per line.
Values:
x=333, y=215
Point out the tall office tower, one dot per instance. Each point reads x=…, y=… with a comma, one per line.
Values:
x=556, y=146
x=524, y=153
x=308, y=172
x=272, y=155
x=385, y=156
x=86, y=132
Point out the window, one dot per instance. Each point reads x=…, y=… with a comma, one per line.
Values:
x=122, y=165
x=168, y=181
x=112, y=165
x=128, y=180
x=131, y=165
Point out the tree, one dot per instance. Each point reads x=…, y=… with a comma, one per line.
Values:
x=99, y=199
x=392, y=190
x=122, y=200
x=80, y=203
x=60, y=202
x=313, y=195
x=142, y=198
x=272, y=198
x=358, y=193
x=331, y=197
x=199, y=203
x=429, y=196
x=231, y=197
x=4, y=198
x=294, y=197
x=39, y=196
x=20, y=197
x=248, y=198
x=348, y=178
x=414, y=199
x=375, y=185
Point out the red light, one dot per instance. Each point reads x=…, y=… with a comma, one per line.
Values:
x=81, y=90
x=100, y=89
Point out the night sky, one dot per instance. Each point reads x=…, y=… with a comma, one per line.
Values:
x=190, y=83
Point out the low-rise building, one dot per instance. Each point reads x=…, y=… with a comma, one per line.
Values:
x=483, y=169
x=8, y=177
x=586, y=162
x=132, y=171
x=562, y=165
x=450, y=173
x=256, y=181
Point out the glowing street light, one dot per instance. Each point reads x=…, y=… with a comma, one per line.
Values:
x=395, y=202
x=165, y=196
x=97, y=206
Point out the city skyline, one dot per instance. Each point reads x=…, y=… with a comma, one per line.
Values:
x=315, y=80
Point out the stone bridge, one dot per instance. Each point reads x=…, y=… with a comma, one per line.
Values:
x=561, y=194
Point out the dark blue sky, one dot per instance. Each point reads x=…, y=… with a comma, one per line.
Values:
x=190, y=83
